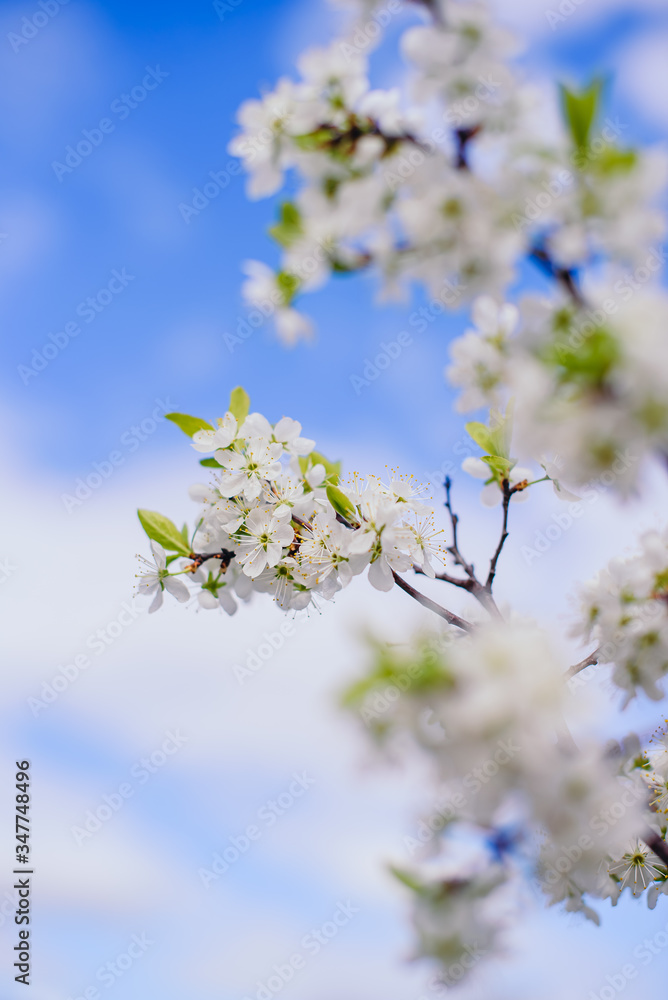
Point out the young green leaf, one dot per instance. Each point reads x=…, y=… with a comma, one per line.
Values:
x=408, y=879
x=210, y=463
x=239, y=404
x=580, y=111
x=189, y=425
x=482, y=436
x=162, y=530
x=288, y=285
x=332, y=469
x=342, y=505
x=289, y=228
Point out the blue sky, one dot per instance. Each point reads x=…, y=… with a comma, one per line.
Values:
x=160, y=339
x=119, y=209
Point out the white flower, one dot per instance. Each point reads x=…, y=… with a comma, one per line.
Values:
x=260, y=288
x=221, y=598
x=492, y=320
x=479, y=356
x=158, y=579
x=424, y=543
x=324, y=552
x=262, y=541
x=287, y=432
x=292, y=326
x=263, y=144
x=331, y=69
x=244, y=472
x=492, y=494
x=221, y=437
x=636, y=869
x=285, y=494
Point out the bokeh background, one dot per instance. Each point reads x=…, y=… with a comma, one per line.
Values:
x=67, y=570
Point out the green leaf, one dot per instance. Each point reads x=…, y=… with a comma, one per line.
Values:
x=482, y=436
x=239, y=404
x=611, y=160
x=160, y=529
x=498, y=464
x=342, y=505
x=189, y=425
x=332, y=469
x=580, y=111
x=311, y=141
x=288, y=230
x=210, y=463
x=408, y=880
x=288, y=285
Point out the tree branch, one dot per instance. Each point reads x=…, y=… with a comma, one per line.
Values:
x=507, y=493
x=454, y=548
x=564, y=276
x=589, y=661
x=427, y=602
x=656, y=844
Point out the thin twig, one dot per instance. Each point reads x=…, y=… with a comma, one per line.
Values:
x=656, y=844
x=465, y=584
x=454, y=548
x=427, y=602
x=564, y=276
x=589, y=661
x=507, y=493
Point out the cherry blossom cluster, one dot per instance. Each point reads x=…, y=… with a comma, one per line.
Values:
x=275, y=519
x=625, y=612
x=488, y=711
x=589, y=384
x=450, y=179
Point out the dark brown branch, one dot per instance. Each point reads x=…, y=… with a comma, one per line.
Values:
x=427, y=602
x=562, y=275
x=656, y=844
x=463, y=137
x=454, y=548
x=589, y=661
x=465, y=584
x=224, y=555
x=507, y=493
